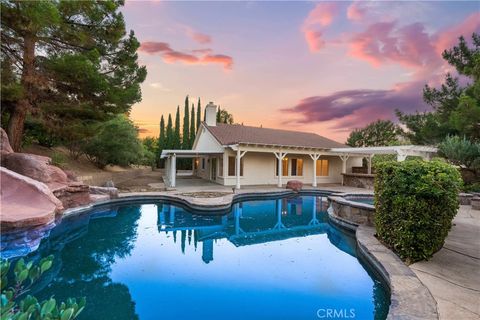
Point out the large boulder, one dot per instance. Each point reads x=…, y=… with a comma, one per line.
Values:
x=295, y=185
x=73, y=195
x=25, y=201
x=35, y=167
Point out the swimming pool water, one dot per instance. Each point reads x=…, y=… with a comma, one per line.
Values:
x=266, y=259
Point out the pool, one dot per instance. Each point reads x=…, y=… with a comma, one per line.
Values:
x=265, y=259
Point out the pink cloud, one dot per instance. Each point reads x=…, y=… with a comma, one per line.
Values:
x=197, y=36
x=322, y=14
x=314, y=40
x=200, y=56
x=384, y=42
x=319, y=17
x=449, y=37
x=225, y=60
x=356, y=11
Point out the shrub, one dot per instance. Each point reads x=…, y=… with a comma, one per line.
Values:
x=415, y=202
x=13, y=303
x=58, y=159
x=463, y=153
x=115, y=143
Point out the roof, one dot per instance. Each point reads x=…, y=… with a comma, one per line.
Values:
x=228, y=134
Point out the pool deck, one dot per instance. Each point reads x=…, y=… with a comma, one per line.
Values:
x=453, y=274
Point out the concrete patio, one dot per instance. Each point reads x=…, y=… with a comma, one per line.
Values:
x=453, y=274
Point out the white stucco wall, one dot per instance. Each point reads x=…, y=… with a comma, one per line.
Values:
x=259, y=169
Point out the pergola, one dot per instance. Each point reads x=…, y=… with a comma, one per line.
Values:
x=402, y=152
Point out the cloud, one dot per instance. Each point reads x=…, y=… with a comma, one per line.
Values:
x=351, y=109
x=201, y=56
x=201, y=38
x=356, y=11
x=384, y=42
x=318, y=18
x=449, y=37
x=159, y=86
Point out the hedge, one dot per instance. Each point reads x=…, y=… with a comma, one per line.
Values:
x=415, y=202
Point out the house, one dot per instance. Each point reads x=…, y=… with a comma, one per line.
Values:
x=236, y=155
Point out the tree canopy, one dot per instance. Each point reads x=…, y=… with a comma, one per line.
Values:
x=378, y=133
x=456, y=108
x=66, y=62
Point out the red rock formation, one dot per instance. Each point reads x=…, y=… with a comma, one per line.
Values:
x=25, y=202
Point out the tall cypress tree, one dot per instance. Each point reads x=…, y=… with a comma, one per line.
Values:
x=218, y=114
x=192, y=126
x=161, y=139
x=177, y=143
x=169, y=133
x=186, y=126
x=199, y=114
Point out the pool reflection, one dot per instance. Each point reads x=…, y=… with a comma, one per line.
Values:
x=276, y=258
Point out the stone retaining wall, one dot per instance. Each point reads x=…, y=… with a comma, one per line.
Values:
x=358, y=180
x=358, y=213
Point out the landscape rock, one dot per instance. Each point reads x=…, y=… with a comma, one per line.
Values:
x=294, y=185
x=73, y=195
x=25, y=201
x=111, y=192
x=5, y=143
x=35, y=167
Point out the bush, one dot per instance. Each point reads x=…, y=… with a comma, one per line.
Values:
x=58, y=159
x=463, y=153
x=115, y=143
x=415, y=202
x=15, y=305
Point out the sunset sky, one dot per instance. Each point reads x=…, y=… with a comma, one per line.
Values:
x=323, y=67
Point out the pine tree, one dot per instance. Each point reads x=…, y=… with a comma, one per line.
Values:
x=161, y=139
x=177, y=143
x=186, y=126
x=192, y=127
x=199, y=114
x=169, y=133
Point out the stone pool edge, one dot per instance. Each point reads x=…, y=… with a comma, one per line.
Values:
x=410, y=298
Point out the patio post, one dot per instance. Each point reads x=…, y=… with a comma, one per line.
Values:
x=173, y=170
x=314, y=157
x=237, y=167
x=279, y=155
x=369, y=162
x=344, y=165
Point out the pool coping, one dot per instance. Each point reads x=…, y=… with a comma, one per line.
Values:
x=410, y=298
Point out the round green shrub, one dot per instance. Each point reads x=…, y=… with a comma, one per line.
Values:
x=415, y=202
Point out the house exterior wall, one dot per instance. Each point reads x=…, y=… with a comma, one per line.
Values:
x=259, y=168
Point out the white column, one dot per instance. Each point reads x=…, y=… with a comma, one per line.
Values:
x=279, y=155
x=314, y=157
x=369, y=162
x=237, y=167
x=173, y=171
x=344, y=165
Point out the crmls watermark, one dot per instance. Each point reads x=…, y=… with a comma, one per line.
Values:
x=334, y=313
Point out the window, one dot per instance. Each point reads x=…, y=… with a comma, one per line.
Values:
x=284, y=167
x=220, y=167
x=322, y=167
x=203, y=163
x=232, y=161
x=297, y=167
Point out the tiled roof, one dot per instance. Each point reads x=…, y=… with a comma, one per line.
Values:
x=228, y=134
